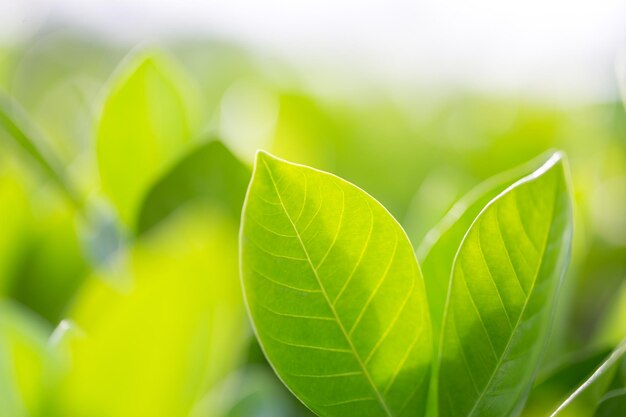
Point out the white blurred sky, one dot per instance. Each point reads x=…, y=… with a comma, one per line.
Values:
x=553, y=48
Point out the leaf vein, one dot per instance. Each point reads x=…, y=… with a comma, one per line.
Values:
x=282, y=284
x=508, y=344
x=495, y=284
x=381, y=400
x=343, y=209
x=378, y=285
x=359, y=259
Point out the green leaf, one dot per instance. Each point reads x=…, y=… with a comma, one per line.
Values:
x=23, y=357
x=335, y=293
x=598, y=381
x=53, y=265
x=41, y=260
x=15, y=125
x=209, y=173
x=16, y=224
x=440, y=245
x=504, y=285
x=437, y=250
x=161, y=331
x=148, y=118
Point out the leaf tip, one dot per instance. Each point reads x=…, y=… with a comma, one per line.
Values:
x=555, y=159
x=265, y=157
x=261, y=153
x=557, y=156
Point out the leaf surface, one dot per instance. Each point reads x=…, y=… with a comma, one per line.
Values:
x=23, y=360
x=436, y=252
x=148, y=118
x=505, y=280
x=335, y=293
x=162, y=330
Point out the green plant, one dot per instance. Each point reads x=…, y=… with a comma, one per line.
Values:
x=120, y=203
x=340, y=307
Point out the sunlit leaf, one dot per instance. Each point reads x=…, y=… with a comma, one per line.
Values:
x=440, y=245
x=149, y=117
x=436, y=252
x=335, y=293
x=160, y=335
x=210, y=173
x=504, y=287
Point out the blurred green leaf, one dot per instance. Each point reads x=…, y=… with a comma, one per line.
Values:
x=16, y=226
x=612, y=327
x=612, y=404
x=6, y=53
x=262, y=396
x=22, y=361
x=209, y=173
x=555, y=383
x=15, y=125
x=148, y=120
x=504, y=287
x=41, y=258
x=161, y=331
x=57, y=75
x=339, y=310
x=594, y=386
x=52, y=266
x=59, y=359
x=250, y=392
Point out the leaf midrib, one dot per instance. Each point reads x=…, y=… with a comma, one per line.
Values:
x=364, y=370
x=530, y=293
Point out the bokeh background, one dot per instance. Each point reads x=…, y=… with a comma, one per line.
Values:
x=127, y=134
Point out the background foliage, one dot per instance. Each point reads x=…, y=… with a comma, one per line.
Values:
x=121, y=180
